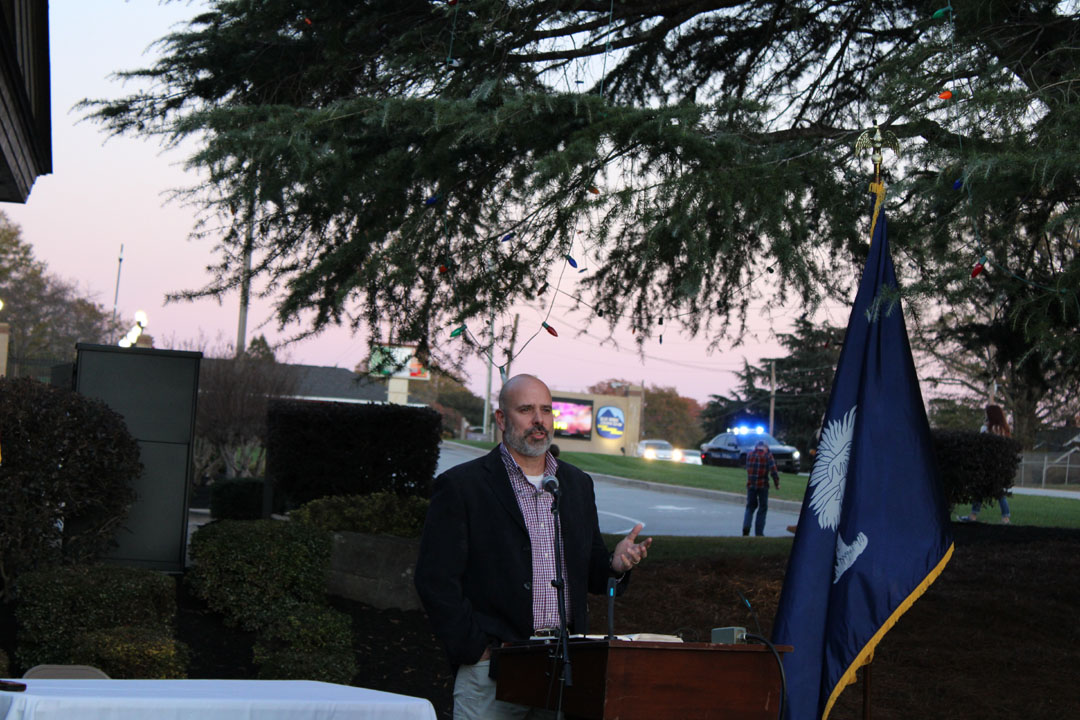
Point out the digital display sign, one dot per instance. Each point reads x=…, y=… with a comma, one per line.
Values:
x=573, y=418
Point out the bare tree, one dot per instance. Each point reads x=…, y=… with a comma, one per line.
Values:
x=234, y=392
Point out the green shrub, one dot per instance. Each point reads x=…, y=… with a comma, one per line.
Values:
x=318, y=449
x=379, y=513
x=66, y=479
x=975, y=466
x=55, y=606
x=236, y=499
x=132, y=652
x=311, y=642
x=250, y=571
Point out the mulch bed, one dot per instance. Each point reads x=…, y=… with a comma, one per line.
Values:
x=997, y=636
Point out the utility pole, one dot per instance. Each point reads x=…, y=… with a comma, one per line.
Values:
x=491, y=362
x=772, y=395
x=245, y=282
x=510, y=350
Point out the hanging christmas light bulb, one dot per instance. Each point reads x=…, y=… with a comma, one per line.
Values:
x=945, y=95
x=594, y=190
x=572, y=261
x=508, y=236
x=940, y=13
x=431, y=200
x=978, y=267
x=550, y=329
x=958, y=184
x=661, y=339
x=457, y=331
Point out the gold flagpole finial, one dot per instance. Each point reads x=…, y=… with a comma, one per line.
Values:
x=875, y=143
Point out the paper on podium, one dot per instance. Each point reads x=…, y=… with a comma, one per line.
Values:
x=649, y=637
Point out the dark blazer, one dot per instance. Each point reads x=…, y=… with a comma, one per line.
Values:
x=474, y=573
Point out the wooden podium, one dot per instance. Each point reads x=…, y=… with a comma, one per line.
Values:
x=628, y=680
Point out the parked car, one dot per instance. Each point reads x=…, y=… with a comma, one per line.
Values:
x=690, y=457
x=732, y=447
x=659, y=450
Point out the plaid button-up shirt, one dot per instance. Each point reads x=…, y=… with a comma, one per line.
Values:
x=759, y=466
x=536, y=508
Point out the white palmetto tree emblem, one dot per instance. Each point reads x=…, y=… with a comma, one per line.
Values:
x=830, y=470
x=828, y=480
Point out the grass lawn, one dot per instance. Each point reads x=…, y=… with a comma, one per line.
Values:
x=1034, y=510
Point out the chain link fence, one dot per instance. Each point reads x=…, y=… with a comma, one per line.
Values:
x=1050, y=469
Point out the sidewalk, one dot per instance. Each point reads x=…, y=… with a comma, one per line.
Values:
x=1075, y=495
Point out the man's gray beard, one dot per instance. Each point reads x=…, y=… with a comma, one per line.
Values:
x=519, y=444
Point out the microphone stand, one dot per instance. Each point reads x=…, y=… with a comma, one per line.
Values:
x=562, y=655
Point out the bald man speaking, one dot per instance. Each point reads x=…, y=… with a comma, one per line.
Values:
x=486, y=560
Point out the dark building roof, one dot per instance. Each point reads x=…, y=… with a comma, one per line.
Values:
x=25, y=97
x=314, y=382
x=1054, y=439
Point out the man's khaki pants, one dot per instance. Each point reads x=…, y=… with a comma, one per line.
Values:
x=474, y=698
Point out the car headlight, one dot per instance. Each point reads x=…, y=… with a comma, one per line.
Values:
x=650, y=454
x=795, y=454
x=676, y=455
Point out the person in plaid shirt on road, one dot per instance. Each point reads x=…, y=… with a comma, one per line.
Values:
x=759, y=466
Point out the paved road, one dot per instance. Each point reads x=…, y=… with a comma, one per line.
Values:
x=664, y=509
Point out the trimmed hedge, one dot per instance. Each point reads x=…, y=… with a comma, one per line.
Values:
x=132, y=652
x=236, y=499
x=252, y=571
x=377, y=514
x=310, y=643
x=57, y=606
x=318, y=449
x=66, y=480
x=975, y=466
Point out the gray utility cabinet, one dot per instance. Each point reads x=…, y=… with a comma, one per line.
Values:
x=155, y=391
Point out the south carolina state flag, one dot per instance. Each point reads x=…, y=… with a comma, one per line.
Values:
x=874, y=529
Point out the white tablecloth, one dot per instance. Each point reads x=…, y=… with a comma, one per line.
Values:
x=206, y=700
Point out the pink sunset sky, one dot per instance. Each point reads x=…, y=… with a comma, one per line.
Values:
x=104, y=194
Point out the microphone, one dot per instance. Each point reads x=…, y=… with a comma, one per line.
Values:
x=611, y=608
x=551, y=484
x=750, y=607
